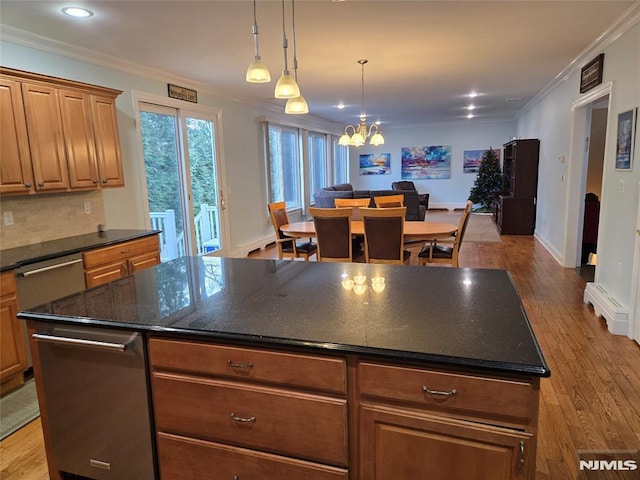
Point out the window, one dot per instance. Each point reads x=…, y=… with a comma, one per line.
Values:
x=340, y=162
x=318, y=171
x=284, y=165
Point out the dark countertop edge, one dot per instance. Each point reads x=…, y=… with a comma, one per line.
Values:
x=62, y=253
x=257, y=341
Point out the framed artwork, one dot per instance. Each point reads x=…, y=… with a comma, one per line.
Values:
x=433, y=162
x=472, y=158
x=625, y=139
x=591, y=73
x=375, y=164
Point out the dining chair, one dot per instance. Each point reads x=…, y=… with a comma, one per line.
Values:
x=383, y=235
x=288, y=247
x=389, y=201
x=354, y=203
x=434, y=252
x=333, y=234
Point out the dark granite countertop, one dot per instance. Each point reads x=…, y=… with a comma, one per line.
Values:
x=445, y=316
x=20, y=256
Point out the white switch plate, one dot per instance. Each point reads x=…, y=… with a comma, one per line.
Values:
x=8, y=218
x=621, y=186
x=87, y=207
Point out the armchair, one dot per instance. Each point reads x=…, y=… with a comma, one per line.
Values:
x=408, y=185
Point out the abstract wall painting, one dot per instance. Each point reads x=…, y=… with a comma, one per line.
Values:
x=375, y=164
x=433, y=162
x=625, y=139
x=473, y=158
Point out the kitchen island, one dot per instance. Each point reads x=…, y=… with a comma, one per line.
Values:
x=278, y=369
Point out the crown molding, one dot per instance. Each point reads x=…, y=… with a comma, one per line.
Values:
x=623, y=24
x=463, y=122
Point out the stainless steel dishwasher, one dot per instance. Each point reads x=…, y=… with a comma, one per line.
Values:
x=48, y=280
x=96, y=392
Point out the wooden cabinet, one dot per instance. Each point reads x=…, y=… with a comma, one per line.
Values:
x=233, y=411
x=104, y=265
x=226, y=411
x=13, y=360
x=16, y=175
x=515, y=212
x=63, y=135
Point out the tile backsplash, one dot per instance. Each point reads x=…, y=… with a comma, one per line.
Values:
x=39, y=218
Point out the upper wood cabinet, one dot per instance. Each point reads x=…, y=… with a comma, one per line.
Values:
x=57, y=135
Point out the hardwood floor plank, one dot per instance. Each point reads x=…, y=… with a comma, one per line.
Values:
x=590, y=402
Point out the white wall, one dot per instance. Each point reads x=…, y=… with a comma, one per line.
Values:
x=550, y=120
x=443, y=193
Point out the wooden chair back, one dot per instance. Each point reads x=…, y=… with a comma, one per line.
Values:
x=354, y=204
x=389, y=201
x=333, y=234
x=384, y=235
x=287, y=246
x=435, y=253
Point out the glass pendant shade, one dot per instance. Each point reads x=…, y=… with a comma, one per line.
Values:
x=296, y=105
x=258, y=72
x=357, y=139
x=377, y=139
x=344, y=140
x=286, y=87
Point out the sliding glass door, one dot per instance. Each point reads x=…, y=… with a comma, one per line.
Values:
x=183, y=180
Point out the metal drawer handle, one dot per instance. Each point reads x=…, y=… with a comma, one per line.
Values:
x=50, y=267
x=233, y=364
x=439, y=392
x=242, y=420
x=79, y=342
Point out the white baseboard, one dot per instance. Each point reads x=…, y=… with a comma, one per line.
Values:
x=605, y=306
x=555, y=253
x=448, y=206
x=243, y=250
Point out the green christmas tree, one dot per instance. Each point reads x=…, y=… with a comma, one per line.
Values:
x=488, y=180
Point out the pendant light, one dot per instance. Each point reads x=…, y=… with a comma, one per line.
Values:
x=286, y=86
x=296, y=105
x=360, y=133
x=257, y=72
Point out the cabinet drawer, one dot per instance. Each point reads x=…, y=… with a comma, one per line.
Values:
x=477, y=395
x=185, y=459
x=281, y=421
x=121, y=251
x=307, y=371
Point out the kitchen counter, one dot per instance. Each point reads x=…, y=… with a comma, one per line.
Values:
x=467, y=318
x=20, y=256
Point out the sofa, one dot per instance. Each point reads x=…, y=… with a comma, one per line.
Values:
x=324, y=198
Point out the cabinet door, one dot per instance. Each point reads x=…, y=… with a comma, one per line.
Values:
x=146, y=260
x=107, y=141
x=75, y=108
x=46, y=140
x=105, y=274
x=15, y=162
x=405, y=445
x=13, y=360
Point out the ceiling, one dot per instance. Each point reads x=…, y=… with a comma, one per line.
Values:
x=424, y=56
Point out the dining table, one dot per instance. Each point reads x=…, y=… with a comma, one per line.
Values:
x=413, y=229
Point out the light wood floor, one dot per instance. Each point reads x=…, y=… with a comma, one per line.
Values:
x=590, y=402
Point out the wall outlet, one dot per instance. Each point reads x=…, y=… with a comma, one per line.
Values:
x=619, y=269
x=8, y=218
x=87, y=207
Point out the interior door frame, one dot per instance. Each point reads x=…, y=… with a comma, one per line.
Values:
x=182, y=106
x=577, y=173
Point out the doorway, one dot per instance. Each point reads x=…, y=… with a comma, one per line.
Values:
x=585, y=175
x=183, y=179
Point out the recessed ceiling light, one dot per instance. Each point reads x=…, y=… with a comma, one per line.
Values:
x=471, y=115
x=471, y=107
x=340, y=106
x=77, y=12
x=513, y=99
x=472, y=94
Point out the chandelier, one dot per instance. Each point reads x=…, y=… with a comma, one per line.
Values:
x=360, y=133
